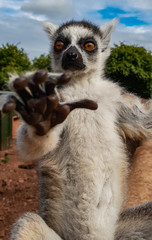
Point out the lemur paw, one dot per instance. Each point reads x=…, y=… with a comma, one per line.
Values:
x=40, y=107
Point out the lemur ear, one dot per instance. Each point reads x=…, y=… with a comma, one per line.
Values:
x=106, y=31
x=50, y=28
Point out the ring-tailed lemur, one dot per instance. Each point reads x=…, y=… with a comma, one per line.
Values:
x=84, y=163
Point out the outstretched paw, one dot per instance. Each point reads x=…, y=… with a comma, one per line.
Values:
x=38, y=103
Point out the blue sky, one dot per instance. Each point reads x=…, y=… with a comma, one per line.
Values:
x=127, y=18
x=20, y=20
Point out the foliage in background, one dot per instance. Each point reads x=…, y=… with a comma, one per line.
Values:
x=42, y=62
x=131, y=66
x=12, y=60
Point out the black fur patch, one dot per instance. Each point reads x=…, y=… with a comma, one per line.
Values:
x=82, y=41
x=84, y=24
x=65, y=40
x=72, y=59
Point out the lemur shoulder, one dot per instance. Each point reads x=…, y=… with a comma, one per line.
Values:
x=75, y=121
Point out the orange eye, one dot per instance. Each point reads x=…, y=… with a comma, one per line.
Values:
x=59, y=45
x=89, y=46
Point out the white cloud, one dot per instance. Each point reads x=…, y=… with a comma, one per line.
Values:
x=53, y=10
x=130, y=4
x=140, y=4
x=39, y=18
x=27, y=32
x=133, y=36
x=12, y=4
x=89, y=5
x=137, y=30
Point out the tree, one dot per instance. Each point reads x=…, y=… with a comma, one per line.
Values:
x=12, y=59
x=42, y=62
x=131, y=66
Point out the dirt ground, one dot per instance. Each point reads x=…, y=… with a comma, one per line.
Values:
x=19, y=185
x=18, y=189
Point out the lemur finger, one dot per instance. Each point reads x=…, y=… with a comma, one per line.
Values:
x=30, y=118
x=9, y=107
x=64, y=78
x=52, y=101
x=14, y=104
x=20, y=83
x=62, y=111
x=51, y=104
x=34, y=83
x=55, y=80
x=40, y=76
x=20, y=108
x=85, y=103
x=20, y=86
x=60, y=114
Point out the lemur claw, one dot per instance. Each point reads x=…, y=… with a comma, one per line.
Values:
x=41, y=107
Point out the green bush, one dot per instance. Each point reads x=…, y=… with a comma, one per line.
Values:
x=12, y=60
x=131, y=66
x=42, y=62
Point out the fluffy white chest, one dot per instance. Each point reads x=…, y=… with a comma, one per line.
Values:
x=89, y=173
x=89, y=164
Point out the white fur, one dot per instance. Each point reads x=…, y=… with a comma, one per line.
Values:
x=31, y=226
x=107, y=29
x=98, y=160
x=50, y=28
x=32, y=146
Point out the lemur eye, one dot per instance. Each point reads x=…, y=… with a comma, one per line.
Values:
x=59, y=45
x=89, y=46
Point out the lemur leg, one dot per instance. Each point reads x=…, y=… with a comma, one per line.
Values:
x=32, y=227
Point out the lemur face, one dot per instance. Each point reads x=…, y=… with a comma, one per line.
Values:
x=77, y=46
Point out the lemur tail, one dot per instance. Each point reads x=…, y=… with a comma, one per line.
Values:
x=135, y=223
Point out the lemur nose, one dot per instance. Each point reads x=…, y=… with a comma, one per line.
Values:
x=72, y=56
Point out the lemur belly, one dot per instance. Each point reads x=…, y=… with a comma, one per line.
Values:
x=82, y=194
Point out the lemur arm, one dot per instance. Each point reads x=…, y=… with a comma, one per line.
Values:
x=32, y=146
x=38, y=103
x=135, y=117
